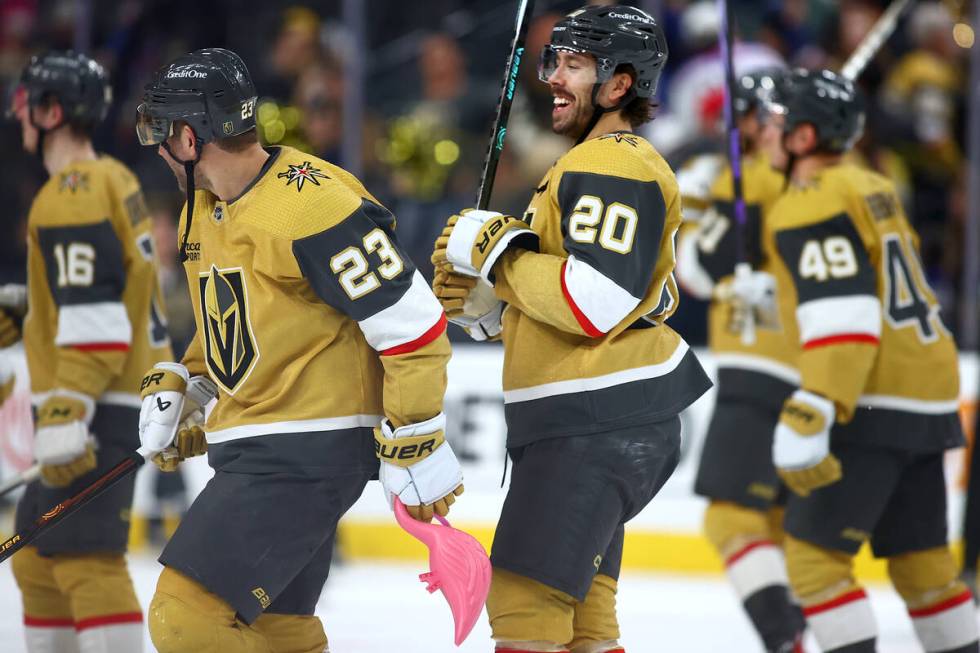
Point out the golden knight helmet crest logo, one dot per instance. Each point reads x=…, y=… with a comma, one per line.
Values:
x=230, y=350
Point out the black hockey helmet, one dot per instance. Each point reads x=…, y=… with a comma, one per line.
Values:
x=614, y=35
x=758, y=88
x=80, y=84
x=209, y=89
x=828, y=101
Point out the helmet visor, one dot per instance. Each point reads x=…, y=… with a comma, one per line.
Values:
x=152, y=130
x=550, y=60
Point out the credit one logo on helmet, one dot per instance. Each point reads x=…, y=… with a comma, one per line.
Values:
x=634, y=18
x=194, y=74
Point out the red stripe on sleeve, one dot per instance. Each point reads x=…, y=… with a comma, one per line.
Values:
x=843, y=599
x=109, y=620
x=42, y=622
x=942, y=607
x=583, y=321
x=866, y=338
x=102, y=346
x=434, y=332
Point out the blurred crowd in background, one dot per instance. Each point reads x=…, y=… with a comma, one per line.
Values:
x=430, y=76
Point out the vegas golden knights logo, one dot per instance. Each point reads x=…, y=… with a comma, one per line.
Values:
x=229, y=348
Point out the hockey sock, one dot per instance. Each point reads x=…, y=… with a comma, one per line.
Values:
x=757, y=571
x=844, y=624
x=949, y=626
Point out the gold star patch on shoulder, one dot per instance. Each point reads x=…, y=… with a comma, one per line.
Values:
x=305, y=172
x=73, y=180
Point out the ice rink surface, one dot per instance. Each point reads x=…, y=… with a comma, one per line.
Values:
x=379, y=608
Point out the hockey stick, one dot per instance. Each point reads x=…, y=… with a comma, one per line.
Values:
x=25, y=477
x=507, y=89
x=873, y=40
x=742, y=266
x=54, y=516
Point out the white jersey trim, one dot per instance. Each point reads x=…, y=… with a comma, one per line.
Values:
x=297, y=426
x=691, y=275
x=759, y=364
x=909, y=405
x=404, y=321
x=98, y=322
x=598, y=382
x=835, y=316
x=604, y=302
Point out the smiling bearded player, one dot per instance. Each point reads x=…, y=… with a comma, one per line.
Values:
x=593, y=377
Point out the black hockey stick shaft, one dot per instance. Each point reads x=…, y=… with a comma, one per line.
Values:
x=727, y=42
x=58, y=513
x=507, y=90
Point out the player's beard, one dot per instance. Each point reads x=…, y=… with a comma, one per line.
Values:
x=200, y=180
x=574, y=118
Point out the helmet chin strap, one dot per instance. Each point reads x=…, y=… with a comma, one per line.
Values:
x=189, y=185
x=598, y=110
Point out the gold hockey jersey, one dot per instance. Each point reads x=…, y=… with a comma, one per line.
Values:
x=870, y=334
x=96, y=321
x=773, y=353
x=310, y=317
x=586, y=349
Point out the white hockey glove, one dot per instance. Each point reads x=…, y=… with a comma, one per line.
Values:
x=469, y=303
x=190, y=439
x=752, y=297
x=419, y=467
x=62, y=444
x=162, y=390
x=801, y=446
x=473, y=241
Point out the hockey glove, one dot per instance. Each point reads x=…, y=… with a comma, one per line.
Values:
x=9, y=328
x=162, y=391
x=469, y=303
x=752, y=301
x=801, y=446
x=419, y=467
x=190, y=440
x=7, y=380
x=474, y=240
x=62, y=444
x=13, y=306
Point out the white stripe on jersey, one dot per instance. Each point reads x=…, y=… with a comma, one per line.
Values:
x=909, y=405
x=834, y=316
x=295, y=426
x=760, y=364
x=95, y=323
x=598, y=382
x=404, y=321
x=604, y=302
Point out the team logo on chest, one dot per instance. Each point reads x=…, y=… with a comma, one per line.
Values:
x=230, y=350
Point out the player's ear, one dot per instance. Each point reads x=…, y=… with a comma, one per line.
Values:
x=49, y=114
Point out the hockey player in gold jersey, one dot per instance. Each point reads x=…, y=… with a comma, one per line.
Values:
x=755, y=375
x=95, y=322
x=861, y=441
x=593, y=377
x=328, y=349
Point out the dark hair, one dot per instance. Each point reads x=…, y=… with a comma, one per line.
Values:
x=639, y=110
x=238, y=143
x=79, y=127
